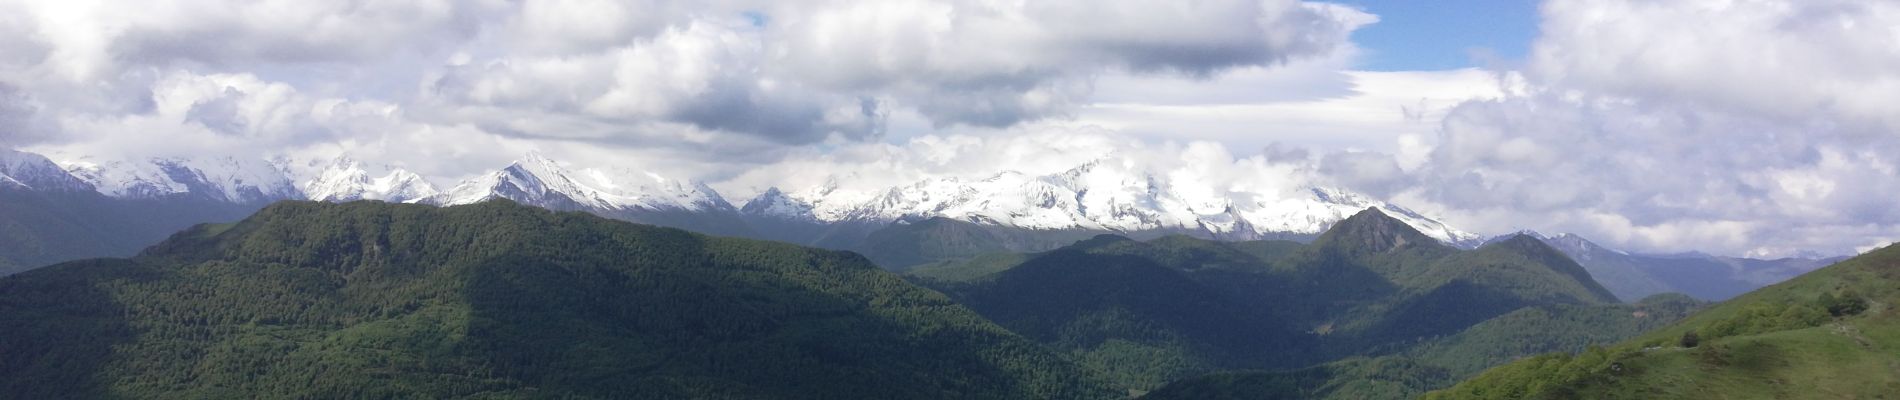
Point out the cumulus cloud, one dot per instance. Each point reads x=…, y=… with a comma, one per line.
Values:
x=1794, y=60
x=709, y=78
x=1737, y=127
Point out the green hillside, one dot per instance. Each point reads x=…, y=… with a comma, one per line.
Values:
x=1831, y=333
x=496, y=300
x=1144, y=314
x=1443, y=361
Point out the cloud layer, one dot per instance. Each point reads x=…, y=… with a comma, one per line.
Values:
x=745, y=74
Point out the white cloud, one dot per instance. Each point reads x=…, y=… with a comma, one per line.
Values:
x=1321, y=105
x=1039, y=149
x=1794, y=60
x=718, y=78
x=1736, y=127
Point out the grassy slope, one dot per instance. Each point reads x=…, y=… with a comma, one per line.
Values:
x=496, y=300
x=1443, y=361
x=1758, y=345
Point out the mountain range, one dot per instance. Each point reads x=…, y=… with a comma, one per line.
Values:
x=930, y=221
x=501, y=300
x=1712, y=278
x=1098, y=197
x=1146, y=313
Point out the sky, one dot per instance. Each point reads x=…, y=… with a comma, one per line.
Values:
x=1445, y=34
x=1738, y=127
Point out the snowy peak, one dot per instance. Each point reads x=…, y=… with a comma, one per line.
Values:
x=346, y=180
x=228, y=179
x=628, y=188
x=776, y=204
x=231, y=179
x=521, y=183
x=1100, y=195
x=538, y=180
x=402, y=186
x=1575, y=245
x=30, y=171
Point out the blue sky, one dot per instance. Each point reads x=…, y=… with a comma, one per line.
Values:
x=1436, y=35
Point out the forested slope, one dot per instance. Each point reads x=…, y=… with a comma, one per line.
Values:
x=497, y=300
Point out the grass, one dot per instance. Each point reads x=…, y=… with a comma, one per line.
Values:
x=1846, y=357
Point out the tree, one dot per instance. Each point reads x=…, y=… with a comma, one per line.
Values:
x=1847, y=303
x=1689, y=339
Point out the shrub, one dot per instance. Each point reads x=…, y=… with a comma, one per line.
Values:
x=1847, y=303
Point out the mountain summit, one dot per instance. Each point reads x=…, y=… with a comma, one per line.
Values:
x=1371, y=230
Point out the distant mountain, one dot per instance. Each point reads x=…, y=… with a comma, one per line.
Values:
x=1149, y=313
x=497, y=300
x=1830, y=333
x=1005, y=212
x=1706, y=277
x=347, y=180
x=88, y=207
x=224, y=179
x=620, y=194
x=49, y=215
x=1009, y=211
x=22, y=171
x=1100, y=196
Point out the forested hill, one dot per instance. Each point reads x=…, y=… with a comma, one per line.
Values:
x=1145, y=314
x=1829, y=334
x=497, y=300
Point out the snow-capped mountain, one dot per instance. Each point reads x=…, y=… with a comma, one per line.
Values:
x=775, y=203
x=1094, y=196
x=540, y=181
x=1578, y=247
x=1106, y=195
x=228, y=179
x=30, y=171
x=346, y=180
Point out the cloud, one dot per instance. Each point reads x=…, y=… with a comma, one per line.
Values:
x=712, y=79
x=1736, y=127
x=1000, y=63
x=1314, y=103
x=1205, y=169
x=19, y=117
x=1376, y=174
x=1792, y=60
